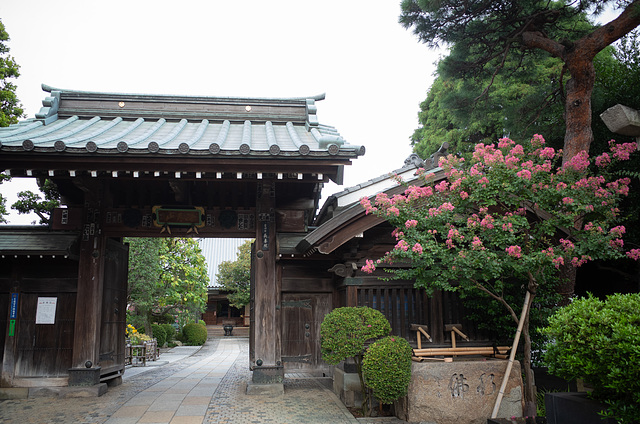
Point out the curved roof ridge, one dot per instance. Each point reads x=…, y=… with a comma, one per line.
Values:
x=49, y=89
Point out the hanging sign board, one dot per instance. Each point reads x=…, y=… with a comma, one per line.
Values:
x=14, y=306
x=46, y=311
x=12, y=327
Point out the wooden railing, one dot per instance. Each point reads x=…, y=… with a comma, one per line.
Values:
x=138, y=355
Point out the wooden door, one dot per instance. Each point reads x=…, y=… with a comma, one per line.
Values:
x=44, y=350
x=114, y=304
x=302, y=315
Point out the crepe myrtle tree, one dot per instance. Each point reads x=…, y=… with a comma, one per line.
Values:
x=510, y=215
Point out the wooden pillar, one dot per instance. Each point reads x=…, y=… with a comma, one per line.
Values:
x=11, y=340
x=86, y=344
x=267, y=362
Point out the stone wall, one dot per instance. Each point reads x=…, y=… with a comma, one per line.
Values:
x=460, y=392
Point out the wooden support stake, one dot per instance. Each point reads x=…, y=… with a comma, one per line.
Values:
x=516, y=340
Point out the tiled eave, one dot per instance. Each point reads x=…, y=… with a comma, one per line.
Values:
x=95, y=125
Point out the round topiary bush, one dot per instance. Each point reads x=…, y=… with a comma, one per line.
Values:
x=159, y=334
x=598, y=341
x=386, y=367
x=344, y=332
x=170, y=331
x=194, y=334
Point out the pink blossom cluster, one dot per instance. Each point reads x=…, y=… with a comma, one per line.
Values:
x=402, y=245
x=515, y=251
x=579, y=162
x=567, y=245
x=411, y=223
x=417, y=248
x=578, y=262
x=476, y=244
x=622, y=151
x=634, y=254
x=618, y=231
x=369, y=267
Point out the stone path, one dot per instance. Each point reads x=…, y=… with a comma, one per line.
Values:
x=207, y=386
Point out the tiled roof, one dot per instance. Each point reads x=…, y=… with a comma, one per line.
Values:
x=16, y=240
x=79, y=123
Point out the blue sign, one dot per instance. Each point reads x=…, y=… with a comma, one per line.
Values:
x=14, y=306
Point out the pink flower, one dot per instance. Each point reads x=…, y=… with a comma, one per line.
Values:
x=393, y=210
x=417, y=248
x=567, y=245
x=411, y=223
x=558, y=262
x=567, y=200
x=603, y=160
x=402, y=245
x=579, y=162
x=369, y=267
x=537, y=140
x=515, y=251
x=547, y=153
x=616, y=243
x=476, y=244
x=524, y=174
x=634, y=254
x=464, y=195
x=618, y=231
x=442, y=186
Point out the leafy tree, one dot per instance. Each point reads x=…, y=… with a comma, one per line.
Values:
x=10, y=107
x=166, y=276
x=489, y=36
x=31, y=202
x=506, y=220
x=235, y=276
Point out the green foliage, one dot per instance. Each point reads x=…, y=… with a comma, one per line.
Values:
x=29, y=201
x=344, y=332
x=10, y=107
x=159, y=334
x=169, y=331
x=235, y=276
x=494, y=45
x=166, y=276
x=194, y=334
x=387, y=368
x=599, y=341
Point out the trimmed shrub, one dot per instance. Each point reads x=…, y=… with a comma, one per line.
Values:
x=344, y=332
x=194, y=334
x=159, y=334
x=170, y=331
x=387, y=368
x=598, y=341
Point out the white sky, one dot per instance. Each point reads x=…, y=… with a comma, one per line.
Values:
x=375, y=72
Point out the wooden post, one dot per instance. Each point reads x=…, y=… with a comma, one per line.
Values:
x=267, y=367
x=86, y=343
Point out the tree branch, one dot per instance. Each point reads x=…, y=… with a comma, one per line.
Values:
x=499, y=299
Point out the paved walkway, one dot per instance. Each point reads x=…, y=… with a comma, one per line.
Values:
x=191, y=385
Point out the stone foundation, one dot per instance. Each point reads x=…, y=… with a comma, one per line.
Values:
x=460, y=392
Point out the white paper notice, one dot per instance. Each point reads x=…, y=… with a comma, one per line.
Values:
x=46, y=312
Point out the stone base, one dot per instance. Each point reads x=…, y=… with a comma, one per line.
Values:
x=14, y=393
x=460, y=392
x=53, y=391
x=268, y=375
x=84, y=376
x=346, y=385
x=274, y=389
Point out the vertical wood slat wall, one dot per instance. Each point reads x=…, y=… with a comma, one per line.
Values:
x=404, y=305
